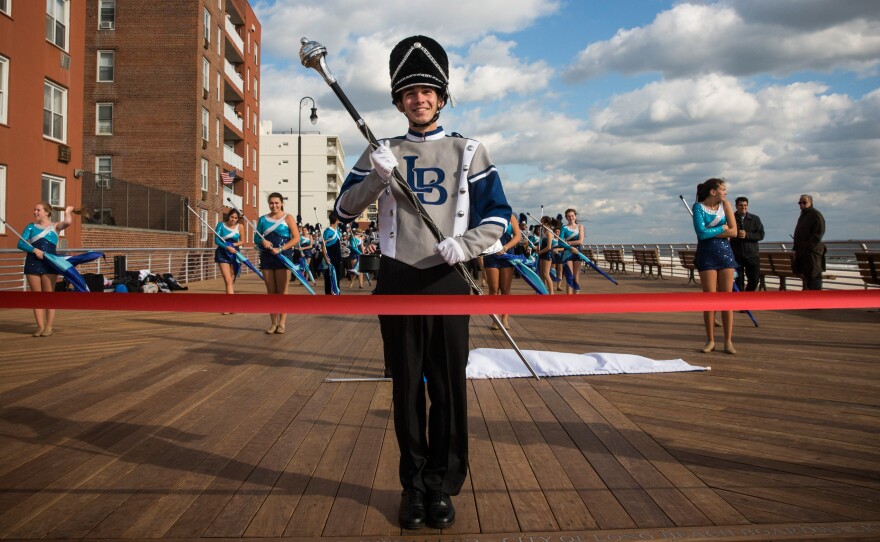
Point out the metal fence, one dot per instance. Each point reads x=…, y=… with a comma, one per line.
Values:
x=197, y=264
x=186, y=264
x=117, y=202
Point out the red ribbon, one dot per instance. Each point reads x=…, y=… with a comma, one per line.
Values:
x=445, y=304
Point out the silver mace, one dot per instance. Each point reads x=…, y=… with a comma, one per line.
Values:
x=312, y=55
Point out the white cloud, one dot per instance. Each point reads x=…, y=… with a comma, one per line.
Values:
x=621, y=160
x=693, y=39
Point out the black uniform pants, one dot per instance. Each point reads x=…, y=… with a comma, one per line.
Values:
x=334, y=254
x=427, y=352
x=750, y=268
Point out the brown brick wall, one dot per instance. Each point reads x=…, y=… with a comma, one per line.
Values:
x=96, y=236
x=158, y=99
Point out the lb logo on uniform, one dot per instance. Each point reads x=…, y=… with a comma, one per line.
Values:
x=426, y=182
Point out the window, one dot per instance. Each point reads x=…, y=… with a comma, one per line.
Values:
x=254, y=124
x=53, y=193
x=204, y=220
x=204, y=175
x=254, y=193
x=247, y=191
x=219, y=41
x=206, y=26
x=104, y=119
x=3, y=197
x=104, y=170
x=254, y=158
x=5, y=7
x=217, y=140
x=247, y=114
x=4, y=86
x=56, y=22
x=54, y=111
x=219, y=92
x=217, y=178
x=106, y=14
x=106, y=64
x=206, y=74
x=256, y=54
x=247, y=152
x=256, y=89
x=205, y=120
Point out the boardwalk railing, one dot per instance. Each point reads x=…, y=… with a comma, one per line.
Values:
x=186, y=264
x=197, y=264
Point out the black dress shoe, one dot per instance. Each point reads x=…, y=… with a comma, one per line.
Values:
x=412, y=509
x=441, y=513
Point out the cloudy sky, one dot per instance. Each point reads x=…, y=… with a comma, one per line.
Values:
x=617, y=108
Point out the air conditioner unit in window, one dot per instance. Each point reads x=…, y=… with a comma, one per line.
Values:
x=206, y=43
x=106, y=25
x=63, y=153
x=205, y=93
x=204, y=143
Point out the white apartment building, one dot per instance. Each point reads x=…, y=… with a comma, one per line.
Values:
x=323, y=171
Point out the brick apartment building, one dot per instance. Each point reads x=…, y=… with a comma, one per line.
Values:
x=41, y=78
x=171, y=103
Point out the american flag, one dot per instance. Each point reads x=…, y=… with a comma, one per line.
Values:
x=228, y=177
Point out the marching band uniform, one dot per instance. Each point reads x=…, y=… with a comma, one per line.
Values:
x=276, y=232
x=333, y=246
x=493, y=260
x=459, y=187
x=712, y=252
x=222, y=240
x=45, y=239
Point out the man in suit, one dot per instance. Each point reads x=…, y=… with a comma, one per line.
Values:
x=809, y=250
x=750, y=230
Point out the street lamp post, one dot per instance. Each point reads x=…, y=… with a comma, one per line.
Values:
x=299, y=152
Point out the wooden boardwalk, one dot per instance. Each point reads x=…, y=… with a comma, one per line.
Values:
x=194, y=426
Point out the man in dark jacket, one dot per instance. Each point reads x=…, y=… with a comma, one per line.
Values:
x=809, y=250
x=750, y=230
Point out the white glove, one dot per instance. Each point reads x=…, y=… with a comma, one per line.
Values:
x=383, y=160
x=450, y=250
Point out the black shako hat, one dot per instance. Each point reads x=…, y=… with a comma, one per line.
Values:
x=419, y=60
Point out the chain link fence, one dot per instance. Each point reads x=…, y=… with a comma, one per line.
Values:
x=117, y=202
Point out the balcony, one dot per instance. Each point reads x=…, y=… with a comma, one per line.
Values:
x=237, y=201
x=233, y=35
x=231, y=115
x=231, y=158
x=233, y=76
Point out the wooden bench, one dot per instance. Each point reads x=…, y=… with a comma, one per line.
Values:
x=614, y=258
x=776, y=264
x=588, y=252
x=868, y=264
x=648, y=259
x=687, y=260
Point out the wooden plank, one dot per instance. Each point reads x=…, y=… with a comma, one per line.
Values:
x=349, y=508
x=715, y=509
x=64, y=497
x=493, y=501
x=238, y=513
x=600, y=502
x=310, y=516
x=381, y=516
x=634, y=499
x=569, y=511
x=533, y=512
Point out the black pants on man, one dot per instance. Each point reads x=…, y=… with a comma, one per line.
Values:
x=335, y=256
x=433, y=445
x=749, y=268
